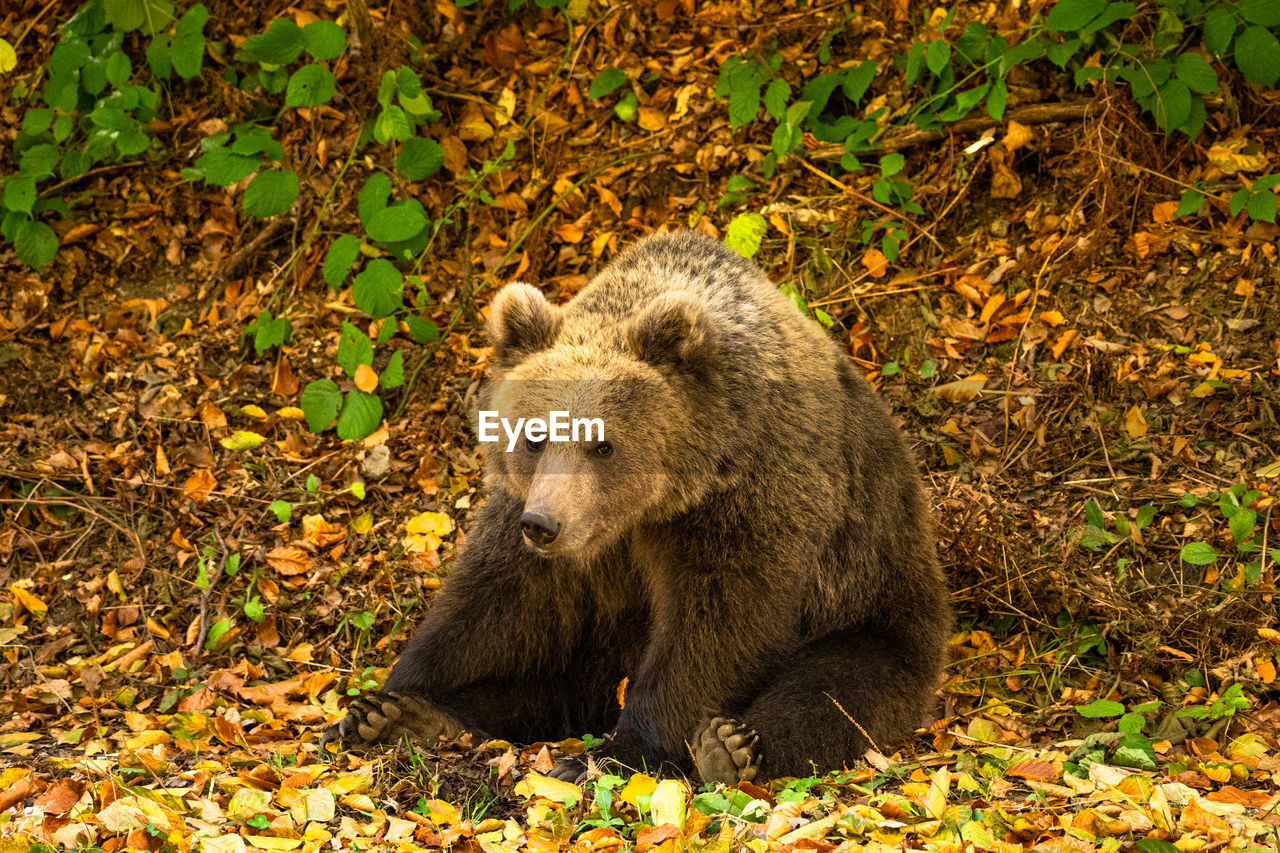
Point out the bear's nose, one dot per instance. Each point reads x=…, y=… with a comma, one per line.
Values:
x=539, y=529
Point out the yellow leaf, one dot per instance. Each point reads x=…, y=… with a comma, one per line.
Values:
x=639, y=785
x=292, y=413
x=252, y=411
x=1135, y=423
x=1272, y=470
x=962, y=390
x=936, y=800
x=242, y=439
x=430, y=522
x=363, y=524
x=29, y=602
x=1237, y=155
x=8, y=57
x=272, y=842
x=1204, y=389
x=1053, y=318
x=537, y=785
x=668, y=802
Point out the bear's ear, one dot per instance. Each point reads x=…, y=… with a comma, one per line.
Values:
x=676, y=330
x=521, y=321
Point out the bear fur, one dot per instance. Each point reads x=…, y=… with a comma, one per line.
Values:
x=752, y=550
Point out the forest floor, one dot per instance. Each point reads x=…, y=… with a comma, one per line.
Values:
x=1089, y=382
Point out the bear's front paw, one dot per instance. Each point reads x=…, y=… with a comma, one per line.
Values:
x=387, y=717
x=726, y=751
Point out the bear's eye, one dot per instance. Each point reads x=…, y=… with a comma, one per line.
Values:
x=534, y=446
x=604, y=448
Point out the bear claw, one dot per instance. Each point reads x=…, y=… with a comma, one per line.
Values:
x=727, y=751
x=387, y=717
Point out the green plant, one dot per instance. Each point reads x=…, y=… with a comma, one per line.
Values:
x=1133, y=748
x=93, y=111
x=608, y=81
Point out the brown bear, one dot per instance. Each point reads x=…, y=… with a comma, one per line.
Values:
x=747, y=542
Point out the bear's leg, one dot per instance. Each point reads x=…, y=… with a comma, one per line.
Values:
x=836, y=698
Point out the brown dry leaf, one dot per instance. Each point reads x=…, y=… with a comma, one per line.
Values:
x=570, y=232
x=289, y=560
x=283, y=380
x=455, y=154
x=322, y=533
x=1066, y=339
x=211, y=416
x=366, y=378
x=1164, y=212
x=199, y=485
x=1005, y=183
x=1016, y=136
x=1237, y=155
x=962, y=390
x=992, y=306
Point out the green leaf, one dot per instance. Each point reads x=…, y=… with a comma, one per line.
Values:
x=420, y=158
x=937, y=56
x=354, y=348
x=1198, y=553
x=393, y=374
x=606, y=82
x=1190, y=202
x=280, y=44
x=1242, y=524
x=373, y=197
x=223, y=168
x=1100, y=708
x=392, y=123
x=254, y=610
x=216, y=632
x=1239, y=200
x=270, y=193
x=1258, y=56
x=150, y=16
x=377, y=290
x=997, y=98
x=283, y=509
x=1194, y=70
x=36, y=244
x=324, y=39
x=118, y=69
x=776, y=96
x=38, y=161
x=1264, y=12
x=310, y=86
x=320, y=402
x=1146, y=515
x=361, y=413
x=891, y=164
x=857, y=79
x=422, y=331
x=400, y=221
x=1173, y=107
x=1135, y=750
x=1155, y=845
x=20, y=194
x=339, y=259
x=1073, y=15
x=745, y=232
x=1219, y=28
x=1262, y=206
x=1131, y=723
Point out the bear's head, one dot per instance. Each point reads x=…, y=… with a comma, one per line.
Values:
x=599, y=419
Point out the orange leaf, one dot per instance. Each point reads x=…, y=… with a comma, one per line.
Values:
x=652, y=836
x=366, y=378
x=875, y=262
x=962, y=390
x=1053, y=318
x=199, y=485
x=289, y=560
